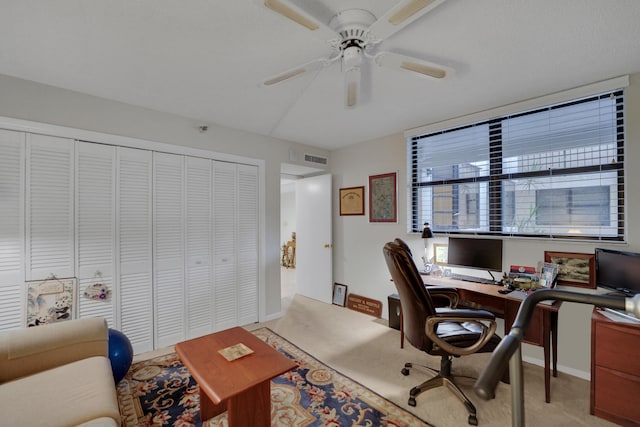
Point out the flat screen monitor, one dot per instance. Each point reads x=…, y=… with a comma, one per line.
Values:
x=618, y=270
x=484, y=254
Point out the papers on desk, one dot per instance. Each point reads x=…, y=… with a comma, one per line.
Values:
x=619, y=316
x=520, y=295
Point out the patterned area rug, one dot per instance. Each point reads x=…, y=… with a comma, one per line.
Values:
x=160, y=392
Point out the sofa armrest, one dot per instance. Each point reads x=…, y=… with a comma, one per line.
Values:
x=27, y=351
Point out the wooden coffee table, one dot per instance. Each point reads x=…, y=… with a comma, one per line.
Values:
x=241, y=387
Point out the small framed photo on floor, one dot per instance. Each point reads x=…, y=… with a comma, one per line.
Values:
x=339, y=294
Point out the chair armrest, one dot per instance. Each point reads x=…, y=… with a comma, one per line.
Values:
x=451, y=294
x=488, y=329
x=30, y=350
x=465, y=313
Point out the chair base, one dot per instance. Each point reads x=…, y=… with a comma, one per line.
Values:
x=442, y=378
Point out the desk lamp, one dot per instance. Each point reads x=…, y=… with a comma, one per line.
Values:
x=426, y=235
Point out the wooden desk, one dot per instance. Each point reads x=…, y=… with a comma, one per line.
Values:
x=543, y=326
x=241, y=387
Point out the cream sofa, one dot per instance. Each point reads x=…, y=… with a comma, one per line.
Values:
x=58, y=375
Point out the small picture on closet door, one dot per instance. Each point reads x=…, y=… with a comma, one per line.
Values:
x=50, y=301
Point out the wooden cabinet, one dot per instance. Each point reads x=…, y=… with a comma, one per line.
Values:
x=615, y=370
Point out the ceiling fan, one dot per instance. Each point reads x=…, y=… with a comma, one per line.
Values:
x=354, y=35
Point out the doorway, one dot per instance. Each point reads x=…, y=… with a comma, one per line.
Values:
x=289, y=174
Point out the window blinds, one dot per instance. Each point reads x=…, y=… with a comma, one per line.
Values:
x=555, y=171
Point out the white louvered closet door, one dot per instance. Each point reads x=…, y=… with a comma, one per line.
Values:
x=12, y=184
x=235, y=245
x=50, y=198
x=199, y=292
x=168, y=213
x=95, y=227
x=247, y=244
x=225, y=212
x=134, y=249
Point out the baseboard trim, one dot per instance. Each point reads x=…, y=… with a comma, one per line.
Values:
x=270, y=317
x=561, y=368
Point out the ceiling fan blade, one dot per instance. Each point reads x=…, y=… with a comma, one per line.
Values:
x=296, y=72
x=299, y=16
x=352, y=87
x=409, y=63
x=399, y=16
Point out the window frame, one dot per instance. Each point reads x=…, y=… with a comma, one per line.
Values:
x=496, y=177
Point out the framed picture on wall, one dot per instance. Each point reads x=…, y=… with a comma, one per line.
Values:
x=352, y=201
x=574, y=269
x=383, y=198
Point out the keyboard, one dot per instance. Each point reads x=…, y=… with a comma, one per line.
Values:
x=473, y=279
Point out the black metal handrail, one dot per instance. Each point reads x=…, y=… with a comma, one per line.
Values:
x=508, y=353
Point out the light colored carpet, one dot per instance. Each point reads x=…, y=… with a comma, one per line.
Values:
x=368, y=351
x=365, y=349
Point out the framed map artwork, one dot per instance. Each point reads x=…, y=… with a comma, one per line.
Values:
x=383, y=203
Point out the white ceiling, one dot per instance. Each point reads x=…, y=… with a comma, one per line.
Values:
x=204, y=59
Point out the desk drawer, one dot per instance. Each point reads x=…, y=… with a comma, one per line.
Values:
x=535, y=331
x=480, y=301
x=617, y=347
x=616, y=396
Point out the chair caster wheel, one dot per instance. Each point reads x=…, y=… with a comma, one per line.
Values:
x=473, y=420
x=405, y=371
x=412, y=401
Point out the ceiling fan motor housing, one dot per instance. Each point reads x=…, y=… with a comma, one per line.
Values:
x=352, y=25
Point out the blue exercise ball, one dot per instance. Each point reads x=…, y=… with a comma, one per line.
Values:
x=120, y=354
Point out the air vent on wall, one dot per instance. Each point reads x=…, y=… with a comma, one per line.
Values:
x=315, y=159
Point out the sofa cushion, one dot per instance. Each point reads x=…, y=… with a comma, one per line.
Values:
x=69, y=395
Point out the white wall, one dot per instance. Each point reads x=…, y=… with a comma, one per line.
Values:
x=27, y=100
x=358, y=245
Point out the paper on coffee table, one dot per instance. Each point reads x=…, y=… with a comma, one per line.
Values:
x=235, y=352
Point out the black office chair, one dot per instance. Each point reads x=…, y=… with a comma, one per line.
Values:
x=443, y=331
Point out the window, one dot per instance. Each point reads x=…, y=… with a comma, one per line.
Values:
x=556, y=171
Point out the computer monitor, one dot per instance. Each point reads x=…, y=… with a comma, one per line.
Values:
x=483, y=254
x=618, y=270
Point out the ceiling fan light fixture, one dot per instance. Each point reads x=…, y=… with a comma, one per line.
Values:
x=424, y=69
x=408, y=11
x=284, y=76
x=290, y=13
